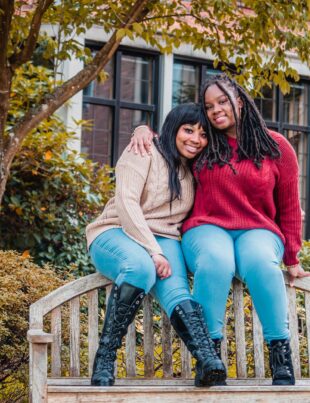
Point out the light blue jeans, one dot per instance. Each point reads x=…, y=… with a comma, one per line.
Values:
x=121, y=259
x=215, y=255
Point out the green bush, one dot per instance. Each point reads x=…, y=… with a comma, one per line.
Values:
x=304, y=255
x=21, y=283
x=51, y=196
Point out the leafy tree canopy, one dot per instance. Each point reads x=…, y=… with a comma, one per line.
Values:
x=256, y=37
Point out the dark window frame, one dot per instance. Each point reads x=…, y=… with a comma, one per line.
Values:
x=116, y=104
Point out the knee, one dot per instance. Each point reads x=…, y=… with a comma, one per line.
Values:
x=259, y=266
x=143, y=272
x=215, y=264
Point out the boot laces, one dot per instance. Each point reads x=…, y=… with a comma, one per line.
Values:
x=199, y=329
x=280, y=362
x=107, y=360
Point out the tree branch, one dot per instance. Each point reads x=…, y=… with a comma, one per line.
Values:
x=30, y=43
x=6, y=14
x=157, y=17
x=61, y=94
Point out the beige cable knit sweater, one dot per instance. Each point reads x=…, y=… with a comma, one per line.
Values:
x=141, y=206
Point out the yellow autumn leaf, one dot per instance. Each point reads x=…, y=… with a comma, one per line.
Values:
x=26, y=254
x=48, y=155
x=18, y=211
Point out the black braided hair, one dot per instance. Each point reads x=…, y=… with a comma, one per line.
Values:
x=254, y=141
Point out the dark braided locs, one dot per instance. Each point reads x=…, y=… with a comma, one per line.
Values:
x=254, y=141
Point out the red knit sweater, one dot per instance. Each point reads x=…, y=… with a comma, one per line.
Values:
x=253, y=198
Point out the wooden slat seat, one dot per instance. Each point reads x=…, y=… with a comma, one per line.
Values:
x=69, y=318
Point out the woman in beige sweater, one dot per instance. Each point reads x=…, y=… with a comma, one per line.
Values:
x=135, y=243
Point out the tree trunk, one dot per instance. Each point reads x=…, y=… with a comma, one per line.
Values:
x=5, y=89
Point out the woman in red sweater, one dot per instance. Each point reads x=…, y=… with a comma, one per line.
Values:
x=246, y=218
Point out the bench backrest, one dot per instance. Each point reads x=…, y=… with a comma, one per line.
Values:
x=156, y=356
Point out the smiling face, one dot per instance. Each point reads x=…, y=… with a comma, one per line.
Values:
x=190, y=140
x=220, y=111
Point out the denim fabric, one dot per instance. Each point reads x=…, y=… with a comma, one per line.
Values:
x=215, y=255
x=121, y=259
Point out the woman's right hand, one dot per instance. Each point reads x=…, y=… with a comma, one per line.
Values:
x=141, y=140
x=162, y=266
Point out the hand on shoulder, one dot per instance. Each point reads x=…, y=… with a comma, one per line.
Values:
x=141, y=140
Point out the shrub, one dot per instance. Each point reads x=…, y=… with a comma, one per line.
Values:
x=21, y=283
x=51, y=195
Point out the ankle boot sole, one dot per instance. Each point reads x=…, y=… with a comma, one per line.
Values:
x=214, y=377
x=102, y=383
x=283, y=382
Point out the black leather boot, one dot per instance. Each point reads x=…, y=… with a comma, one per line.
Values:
x=188, y=322
x=280, y=361
x=217, y=347
x=123, y=304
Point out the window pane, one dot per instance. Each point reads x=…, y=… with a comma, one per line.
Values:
x=96, y=142
x=128, y=120
x=295, y=105
x=211, y=72
x=299, y=141
x=267, y=104
x=104, y=89
x=185, y=83
x=136, y=79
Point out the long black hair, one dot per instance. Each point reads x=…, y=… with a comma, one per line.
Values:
x=189, y=113
x=254, y=141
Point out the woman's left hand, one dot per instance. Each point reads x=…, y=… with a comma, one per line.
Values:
x=296, y=272
x=162, y=266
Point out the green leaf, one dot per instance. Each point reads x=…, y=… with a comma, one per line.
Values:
x=120, y=34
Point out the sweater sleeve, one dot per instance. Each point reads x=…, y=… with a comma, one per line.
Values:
x=288, y=204
x=131, y=176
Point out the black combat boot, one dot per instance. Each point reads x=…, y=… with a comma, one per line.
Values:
x=187, y=320
x=217, y=347
x=280, y=361
x=123, y=304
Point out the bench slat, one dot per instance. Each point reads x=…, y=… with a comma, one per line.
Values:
x=166, y=346
x=224, y=344
x=75, y=337
x=258, y=345
x=239, y=328
x=131, y=350
x=56, y=345
x=148, y=340
x=92, y=303
x=186, y=362
x=293, y=321
x=108, y=290
x=307, y=308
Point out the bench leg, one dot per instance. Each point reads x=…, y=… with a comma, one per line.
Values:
x=39, y=373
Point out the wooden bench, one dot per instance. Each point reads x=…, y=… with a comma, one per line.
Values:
x=63, y=339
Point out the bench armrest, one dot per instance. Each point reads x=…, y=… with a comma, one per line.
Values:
x=37, y=336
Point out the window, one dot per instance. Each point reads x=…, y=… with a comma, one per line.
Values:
x=289, y=115
x=295, y=105
x=267, y=104
x=186, y=82
x=126, y=99
x=188, y=76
